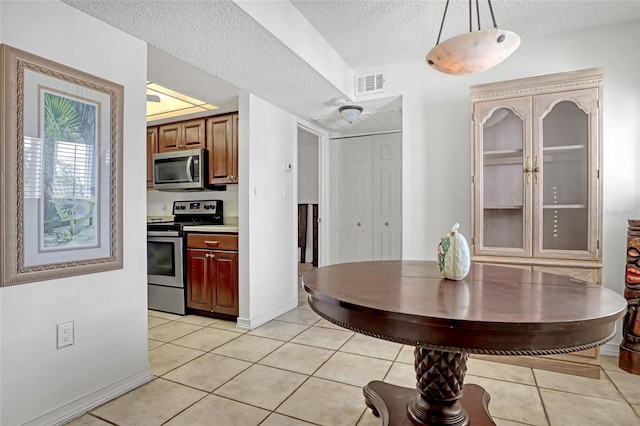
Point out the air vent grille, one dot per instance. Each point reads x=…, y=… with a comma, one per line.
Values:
x=370, y=83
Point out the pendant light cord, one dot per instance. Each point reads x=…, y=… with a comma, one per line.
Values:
x=446, y=7
x=442, y=23
x=493, y=18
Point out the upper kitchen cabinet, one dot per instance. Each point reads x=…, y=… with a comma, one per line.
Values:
x=222, y=143
x=188, y=134
x=536, y=170
x=152, y=148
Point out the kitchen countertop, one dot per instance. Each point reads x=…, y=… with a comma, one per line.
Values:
x=211, y=228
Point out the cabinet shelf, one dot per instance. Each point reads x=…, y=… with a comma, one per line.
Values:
x=514, y=207
x=503, y=153
x=495, y=158
x=564, y=206
x=563, y=148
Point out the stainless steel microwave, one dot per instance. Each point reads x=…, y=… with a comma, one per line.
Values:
x=180, y=170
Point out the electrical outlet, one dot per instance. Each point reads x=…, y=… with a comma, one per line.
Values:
x=65, y=334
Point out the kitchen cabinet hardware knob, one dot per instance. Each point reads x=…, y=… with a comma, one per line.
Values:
x=211, y=243
x=358, y=223
x=386, y=224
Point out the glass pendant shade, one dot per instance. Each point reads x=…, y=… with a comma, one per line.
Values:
x=350, y=112
x=473, y=52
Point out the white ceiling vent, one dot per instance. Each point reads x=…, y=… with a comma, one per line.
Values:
x=370, y=83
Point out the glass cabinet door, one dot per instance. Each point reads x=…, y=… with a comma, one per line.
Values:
x=564, y=181
x=502, y=189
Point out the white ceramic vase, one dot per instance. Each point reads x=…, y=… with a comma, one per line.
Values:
x=454, y=259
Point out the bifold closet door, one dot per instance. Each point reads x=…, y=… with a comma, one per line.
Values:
x=365, y=204
x=386, y=206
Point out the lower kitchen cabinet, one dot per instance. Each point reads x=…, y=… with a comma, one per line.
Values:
x=212, y=273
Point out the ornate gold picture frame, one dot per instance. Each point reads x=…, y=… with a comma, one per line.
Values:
x=61, y=164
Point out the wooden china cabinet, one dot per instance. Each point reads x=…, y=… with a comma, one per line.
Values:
x=536, y=179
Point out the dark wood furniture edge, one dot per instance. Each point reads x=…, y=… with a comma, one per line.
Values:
x=390, y=403
x=368, y=320
x=315, y=234
x=302, y=230
x=443, y=342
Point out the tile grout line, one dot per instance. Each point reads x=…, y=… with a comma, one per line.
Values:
x=341, y=349
x=621, y=393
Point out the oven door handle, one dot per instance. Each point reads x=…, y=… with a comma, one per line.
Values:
x=163, y=234
x=189, y=168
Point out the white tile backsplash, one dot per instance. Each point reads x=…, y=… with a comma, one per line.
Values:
x=157, y=199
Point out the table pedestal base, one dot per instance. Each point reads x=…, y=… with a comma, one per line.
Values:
x=440, y=398
x=390, y=403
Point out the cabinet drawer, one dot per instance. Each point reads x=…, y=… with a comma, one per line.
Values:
x=213, y=241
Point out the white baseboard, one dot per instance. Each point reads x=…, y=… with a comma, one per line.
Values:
x=610, y=349
x=251, y=323
x=79, y=406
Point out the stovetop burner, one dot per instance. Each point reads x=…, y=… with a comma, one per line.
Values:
x=205, y=212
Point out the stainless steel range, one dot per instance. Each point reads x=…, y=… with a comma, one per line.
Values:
x=166, y=275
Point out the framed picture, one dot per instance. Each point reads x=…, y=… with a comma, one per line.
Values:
x=61, y=164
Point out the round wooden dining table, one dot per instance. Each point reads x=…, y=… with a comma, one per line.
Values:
x=494, y=310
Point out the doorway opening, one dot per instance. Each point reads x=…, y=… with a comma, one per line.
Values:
x=308, y=197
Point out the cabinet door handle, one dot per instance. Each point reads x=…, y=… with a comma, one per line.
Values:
x=527, y=169
x=358, y=223
x=386, y=224
x=536, y=170
x=212, y=243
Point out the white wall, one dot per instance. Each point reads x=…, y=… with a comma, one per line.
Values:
x=437, y=143
x=308, y=161
x=40, y=384
x=268, y=212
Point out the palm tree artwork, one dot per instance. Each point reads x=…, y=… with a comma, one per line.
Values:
x=68, y=168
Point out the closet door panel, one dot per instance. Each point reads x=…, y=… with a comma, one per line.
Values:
x=387, y=196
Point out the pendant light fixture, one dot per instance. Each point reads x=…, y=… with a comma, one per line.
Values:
x=475, y=51
x=350, y=112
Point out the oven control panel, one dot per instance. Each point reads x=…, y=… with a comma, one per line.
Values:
x=205, y=207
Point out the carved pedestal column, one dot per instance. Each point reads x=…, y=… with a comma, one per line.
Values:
x=629, y=359
x=440, y=378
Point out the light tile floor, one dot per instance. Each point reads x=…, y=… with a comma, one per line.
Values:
x=302, y=370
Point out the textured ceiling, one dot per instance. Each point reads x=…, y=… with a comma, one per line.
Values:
x=369, y=33
x=219, y=38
